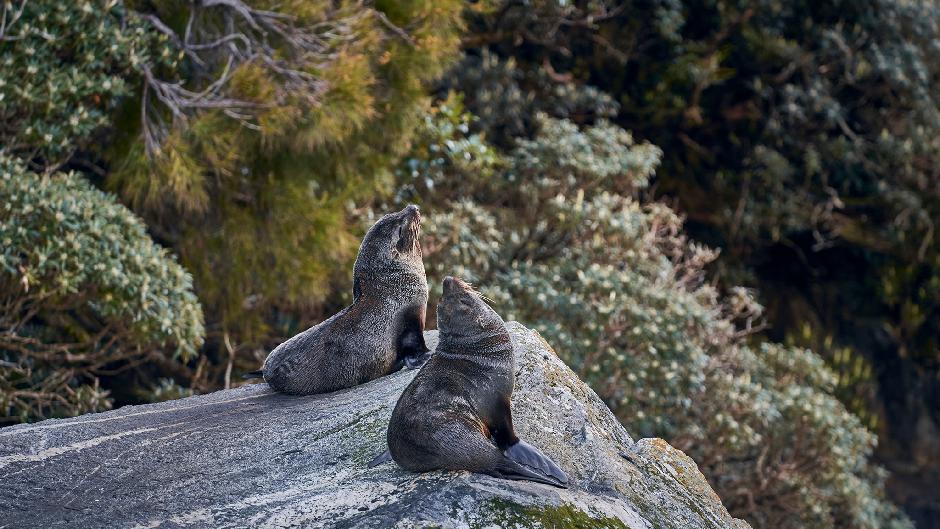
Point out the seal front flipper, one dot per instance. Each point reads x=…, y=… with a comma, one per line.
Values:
x=509, y=469
x=411, y=351
x=414, y=362
x=254, y=374
x=411, y=362
x=384, y=457
x=504, y=435
x=530, y=457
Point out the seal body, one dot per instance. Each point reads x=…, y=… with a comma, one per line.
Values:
x=456, y=414
x=380, y=331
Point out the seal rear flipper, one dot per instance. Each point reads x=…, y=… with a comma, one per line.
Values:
x=254, y=374
x=509, y=469
x=384, y=457
x=530, y=457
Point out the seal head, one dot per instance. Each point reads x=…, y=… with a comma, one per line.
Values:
x=463, y=314
x=390, y=253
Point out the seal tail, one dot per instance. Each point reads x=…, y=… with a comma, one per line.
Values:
x=254, y=374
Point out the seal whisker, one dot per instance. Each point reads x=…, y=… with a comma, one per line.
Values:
x=479, y=294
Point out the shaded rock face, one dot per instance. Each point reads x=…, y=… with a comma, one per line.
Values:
x=249, y=457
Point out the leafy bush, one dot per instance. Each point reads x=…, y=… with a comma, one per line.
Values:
x=65, y=68
x=506, y=96
x=84, y=292
x=555, y=234
x=800, y=137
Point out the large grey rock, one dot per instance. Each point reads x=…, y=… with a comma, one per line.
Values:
x=248, y=457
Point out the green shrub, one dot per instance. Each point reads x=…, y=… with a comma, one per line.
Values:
x=65, y=67
x=84, y=292
x=555, y=233
x=800, y=137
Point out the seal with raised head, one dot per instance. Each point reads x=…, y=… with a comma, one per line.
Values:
x=382, y=330
x=455, y=414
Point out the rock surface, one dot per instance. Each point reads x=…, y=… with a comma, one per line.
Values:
x=248, y=457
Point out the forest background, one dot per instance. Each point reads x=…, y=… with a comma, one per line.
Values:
x=722, y=214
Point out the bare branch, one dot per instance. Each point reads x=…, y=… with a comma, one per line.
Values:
x=395, y=29
x=223, y=35
x=6, y=24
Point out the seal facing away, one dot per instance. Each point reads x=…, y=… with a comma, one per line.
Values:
x=455, y=414
x=382, y=330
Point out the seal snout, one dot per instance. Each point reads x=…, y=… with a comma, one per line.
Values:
x=449, y=283
x=453, y=285
x=409, y=229
x=412, y=214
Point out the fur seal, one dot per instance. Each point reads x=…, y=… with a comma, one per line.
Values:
x=382, y=330
x=455, y=414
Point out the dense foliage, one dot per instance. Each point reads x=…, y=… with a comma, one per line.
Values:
x=555, y=233
x=798, y=136
x=256, y=205
x=65, y=67
x=84, y=292
x=256, y=140
x=801, y=138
